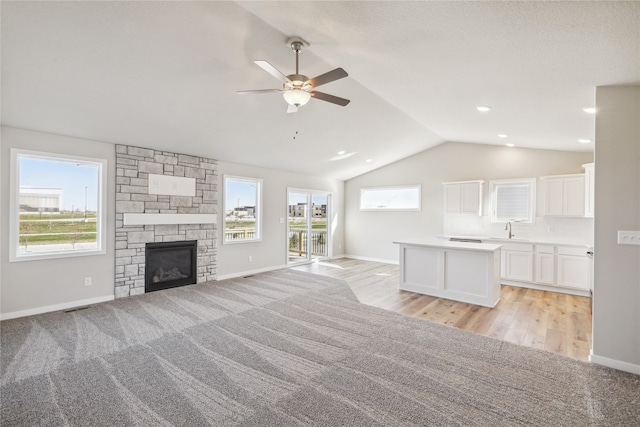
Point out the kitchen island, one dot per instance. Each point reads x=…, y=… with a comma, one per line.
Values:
x=467, y=272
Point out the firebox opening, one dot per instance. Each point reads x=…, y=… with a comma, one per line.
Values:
x=170, y=264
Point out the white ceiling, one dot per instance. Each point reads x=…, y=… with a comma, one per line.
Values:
x=164, y=75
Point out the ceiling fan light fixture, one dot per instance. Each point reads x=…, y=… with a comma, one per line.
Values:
x=296, y=97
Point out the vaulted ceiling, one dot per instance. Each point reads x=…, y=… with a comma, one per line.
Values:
x=165, y=75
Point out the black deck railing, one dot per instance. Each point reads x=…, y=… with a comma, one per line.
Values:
x=298, y=242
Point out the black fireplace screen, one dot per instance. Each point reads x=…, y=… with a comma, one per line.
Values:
x=170, y=264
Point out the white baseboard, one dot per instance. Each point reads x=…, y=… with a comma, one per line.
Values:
x=615, y=364
x=364, y=258
x=56, y=307
x=250, y=272
x=550, y=288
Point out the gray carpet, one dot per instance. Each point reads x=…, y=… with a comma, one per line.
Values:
x=287, y=348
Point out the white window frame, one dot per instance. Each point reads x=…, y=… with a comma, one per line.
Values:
x=14, y=207
x=417, y=187
x=257, y=213
x=531, y=182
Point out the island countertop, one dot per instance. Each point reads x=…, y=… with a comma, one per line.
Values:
x=445, y=244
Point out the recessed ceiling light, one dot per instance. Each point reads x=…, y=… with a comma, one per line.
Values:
x=483, y=108
x=584, y=141
x=590, y=110
x=369, y=160
x=502, y=135
x=342, y=155
x=510, y=145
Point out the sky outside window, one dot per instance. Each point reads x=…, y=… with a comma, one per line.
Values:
x=71, y=177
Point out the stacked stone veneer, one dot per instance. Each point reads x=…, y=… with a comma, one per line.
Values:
x=133, y=166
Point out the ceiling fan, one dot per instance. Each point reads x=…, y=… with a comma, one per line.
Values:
x=298, y=89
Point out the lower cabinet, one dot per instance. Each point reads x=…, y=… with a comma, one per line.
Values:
x=573, y=269
x=518, y=265
x=545, y=268
x=550, y=267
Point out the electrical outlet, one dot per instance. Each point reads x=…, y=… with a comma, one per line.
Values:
x=87, y=281
x=250, y=258
x=628, y=237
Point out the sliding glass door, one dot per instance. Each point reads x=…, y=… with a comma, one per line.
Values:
x=308, y=225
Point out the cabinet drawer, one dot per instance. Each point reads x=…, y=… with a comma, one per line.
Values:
x=568, y=250
x=523, y=247
x=544, y=249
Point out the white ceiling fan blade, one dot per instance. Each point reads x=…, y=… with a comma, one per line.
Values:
x=292, y=109
x=273, y=71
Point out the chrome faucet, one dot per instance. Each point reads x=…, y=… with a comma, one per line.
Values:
x=508, y=227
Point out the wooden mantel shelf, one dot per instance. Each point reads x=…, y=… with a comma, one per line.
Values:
x=161, y=219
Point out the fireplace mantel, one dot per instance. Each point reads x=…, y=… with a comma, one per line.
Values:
x=161, y=219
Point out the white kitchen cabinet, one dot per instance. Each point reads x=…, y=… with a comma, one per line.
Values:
x=573, y=268
x=518, y=262
x=463, y=197
x=545, y=264
x=589, y=185
x=564, y=195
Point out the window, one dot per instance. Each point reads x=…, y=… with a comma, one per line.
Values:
x=401, y=198
x=242, y=209
x=57, y=206
x=513, y=200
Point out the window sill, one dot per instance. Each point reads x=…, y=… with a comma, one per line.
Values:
x=55, y=255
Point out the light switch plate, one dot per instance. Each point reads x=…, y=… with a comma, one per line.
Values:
x=628, y=237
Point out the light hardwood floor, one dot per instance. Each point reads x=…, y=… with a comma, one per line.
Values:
x=552, y=321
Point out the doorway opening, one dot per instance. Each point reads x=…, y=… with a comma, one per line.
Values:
x=308, y=217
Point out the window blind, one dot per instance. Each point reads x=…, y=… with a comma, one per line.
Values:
x=513, y=201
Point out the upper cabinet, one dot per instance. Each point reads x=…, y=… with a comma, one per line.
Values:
x=564, y=195
x=589, y=184
x=463, y=197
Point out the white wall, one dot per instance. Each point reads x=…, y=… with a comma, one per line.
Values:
x=37, y=286
x=34, y=285
x=616, y=311
x=370, y=234
x=271, y=252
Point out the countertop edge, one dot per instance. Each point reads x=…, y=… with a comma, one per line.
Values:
x=534, y=241
x=445, y=244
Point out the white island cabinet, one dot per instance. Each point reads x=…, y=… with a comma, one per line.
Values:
x=467, y=272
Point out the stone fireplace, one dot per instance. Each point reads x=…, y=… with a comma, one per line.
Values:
x=162, y=197
x=170, y=264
